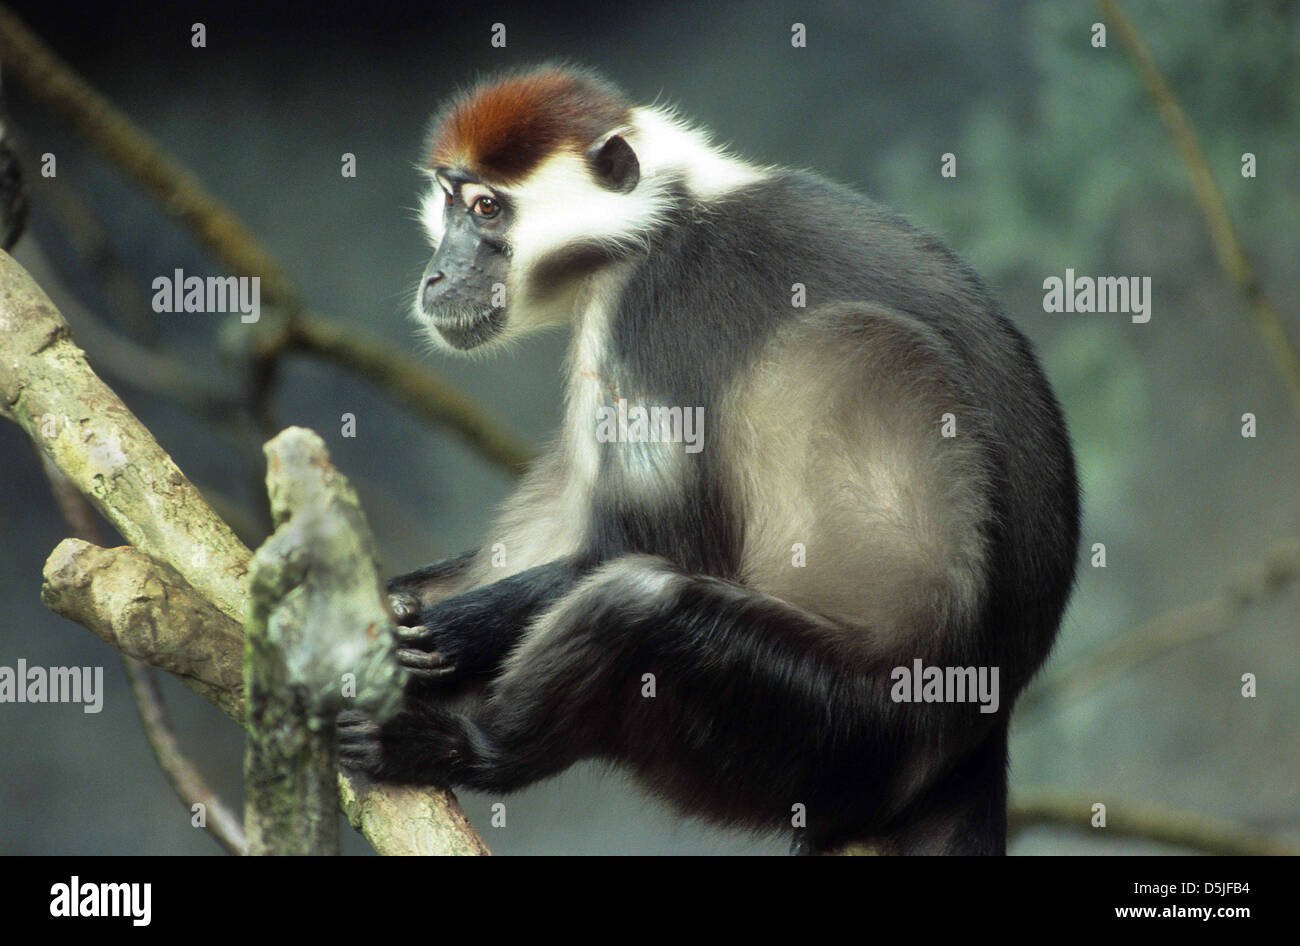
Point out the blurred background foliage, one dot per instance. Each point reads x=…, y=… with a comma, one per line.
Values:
x=1062, y=163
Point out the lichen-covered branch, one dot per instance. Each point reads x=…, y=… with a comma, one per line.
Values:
x=178, y=599
x=183, y=775
x=319, y=639
x=409, y=819
x=148, y=611
x=208, y=393
x=47, y=386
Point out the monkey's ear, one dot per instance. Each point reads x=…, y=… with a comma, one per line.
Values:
x=614, y=164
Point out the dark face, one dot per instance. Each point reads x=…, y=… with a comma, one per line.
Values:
x=462, y=292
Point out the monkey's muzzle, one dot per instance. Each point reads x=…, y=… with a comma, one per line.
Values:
x=460, y=285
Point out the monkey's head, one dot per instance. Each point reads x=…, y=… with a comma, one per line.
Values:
x=534, y=186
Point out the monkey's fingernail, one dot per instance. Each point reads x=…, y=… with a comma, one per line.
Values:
x=431, y=673
x=414, y=635
x=359, y=728
x=422, y=659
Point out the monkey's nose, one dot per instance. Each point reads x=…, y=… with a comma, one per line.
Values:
x=430, y=291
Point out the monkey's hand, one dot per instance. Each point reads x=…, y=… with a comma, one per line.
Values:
x=470, y=634
x=418, y=649
x=427, y=586
x=465, y=636
x=434, y=645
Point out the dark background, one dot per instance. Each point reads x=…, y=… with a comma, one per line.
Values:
x=1062, y=162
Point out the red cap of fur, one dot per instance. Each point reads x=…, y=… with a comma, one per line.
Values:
x=503, y=128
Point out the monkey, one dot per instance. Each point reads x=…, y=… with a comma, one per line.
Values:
x=880, y=479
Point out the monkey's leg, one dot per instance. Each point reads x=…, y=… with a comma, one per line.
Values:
x=732, y=702
x=725, y=699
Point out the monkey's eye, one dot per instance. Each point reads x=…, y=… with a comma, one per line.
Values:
x=486, y=207
x=450, y=200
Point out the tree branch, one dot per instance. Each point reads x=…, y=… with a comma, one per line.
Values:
x=220, y=230
x=1166, y=632
x=183, y=775
x=1223, y=235
x=208, y=393
x=410, y=383
x=1181, y=829
x=146, y=610
x=183, y=196
x=81, y=425
x=319, y=640
x=184, y=610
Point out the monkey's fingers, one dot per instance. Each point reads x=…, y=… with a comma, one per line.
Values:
x=426, y=665
x=355, y=722
x=363, y=755
x=418, y=636
x=359, y=746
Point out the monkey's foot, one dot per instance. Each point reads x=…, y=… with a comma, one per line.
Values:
x=359, y=746
x=423, y=745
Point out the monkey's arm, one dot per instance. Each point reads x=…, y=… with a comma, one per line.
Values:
x=411, y=593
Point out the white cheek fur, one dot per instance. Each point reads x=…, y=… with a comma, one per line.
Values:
x=561, y=204
x=431, y=210
x=665, y=144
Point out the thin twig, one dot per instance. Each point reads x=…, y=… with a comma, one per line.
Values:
x=44, y=73
x=183, y=775
x=220, y=230
x=412, y=385
x=1181, y=829
x=1227, y=247
x=1266, y=578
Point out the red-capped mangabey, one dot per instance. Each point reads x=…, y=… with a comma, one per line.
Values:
x=811, y=521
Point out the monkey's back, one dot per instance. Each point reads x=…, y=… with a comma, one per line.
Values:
x=895, y=421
